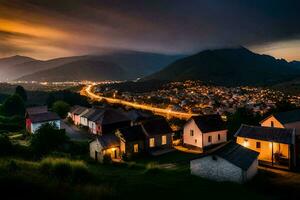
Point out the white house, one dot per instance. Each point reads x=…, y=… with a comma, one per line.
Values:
x=34, y=121
x=202, y=131
x=232, y=162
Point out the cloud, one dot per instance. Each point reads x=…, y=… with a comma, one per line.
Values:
x=71, y=27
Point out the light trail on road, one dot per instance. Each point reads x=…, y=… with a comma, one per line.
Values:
x=87, y=91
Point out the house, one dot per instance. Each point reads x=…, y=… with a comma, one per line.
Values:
x=277, y=146
x=76, y=113
x=107, y=121
x=84, y=118
x=202, y=131
x=290, y=119
x=138, y=116
x=108, y=144
x=37, y=116
x=132, y=140
x=158, y=136
x=232, y=162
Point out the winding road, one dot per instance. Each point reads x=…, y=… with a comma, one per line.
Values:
x=88, y=91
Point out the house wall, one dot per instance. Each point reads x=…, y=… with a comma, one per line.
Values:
x=190, y=140
x=94, y=127
x=252, y=171
x=158, y=141
x=35, y=126
x=214, y=137
x=84, y=121
x=128, y=147
x=76, y=119
x=217, y=170
x=96, y=148
x=267, y=122
x=265, y=151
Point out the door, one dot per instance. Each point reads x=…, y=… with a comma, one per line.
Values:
x=96, y=155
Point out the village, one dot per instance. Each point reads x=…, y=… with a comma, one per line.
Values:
x=118, y=136
x=197, y=97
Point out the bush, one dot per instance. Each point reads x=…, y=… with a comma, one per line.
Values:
x=13, y=105
x=12, y=166
x=65, y=169
x=48, y=138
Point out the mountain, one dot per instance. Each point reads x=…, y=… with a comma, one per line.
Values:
x=229, y=67
x=134, y=64
x=83, y=69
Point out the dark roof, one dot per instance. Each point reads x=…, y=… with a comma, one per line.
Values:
x=36, y=110
x=108, y=141
x=236, y=154
x=132, y=133
x=288, y=117
x=79, y=110
x=111, y=116
x=43, y=117
x=209, y=123
x=157, y=127
x=280, y=135
x=137, y=115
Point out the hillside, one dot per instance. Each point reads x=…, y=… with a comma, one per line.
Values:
x=85, y=69
x=230, y=67
x=136, y=64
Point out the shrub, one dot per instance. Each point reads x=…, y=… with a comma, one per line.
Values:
x=64, y=169
x=12, y=166
x=61, y=108
x=47, y=138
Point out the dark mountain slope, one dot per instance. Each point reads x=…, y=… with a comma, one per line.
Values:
x=229, y=67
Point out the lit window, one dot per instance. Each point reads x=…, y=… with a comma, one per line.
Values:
x=191, y=132
x=163, y=139
x=209, y=138
x=258, y=145
x=152, y=142
x=136, y=148
x=219, y=137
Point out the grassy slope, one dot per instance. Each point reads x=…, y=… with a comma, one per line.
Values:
x=135, y=181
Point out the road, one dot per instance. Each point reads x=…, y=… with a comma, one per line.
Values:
x=87, y=91
x=75, y=133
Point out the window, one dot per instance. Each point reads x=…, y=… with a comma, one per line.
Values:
x=272, y=123
x=195, y=140
x=191, y=132
x=163, y=139
x=136, y=148
x=258, y=145
x=209, y=138
x=152, y=142
x=219, y=137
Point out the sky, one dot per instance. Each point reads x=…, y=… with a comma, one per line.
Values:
x=47, y=29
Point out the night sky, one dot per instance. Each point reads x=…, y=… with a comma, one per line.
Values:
x=55, y=28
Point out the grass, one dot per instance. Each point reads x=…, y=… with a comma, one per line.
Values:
x=146, y=178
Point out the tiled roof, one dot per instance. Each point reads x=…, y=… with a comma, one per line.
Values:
x=43, y=117
x=132, y=133
x=157, y=127
x=238, y=155
x=209, y=123
x=280, y=135
x=109, y=141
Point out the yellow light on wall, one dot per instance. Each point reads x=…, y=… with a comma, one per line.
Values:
x=246, y=143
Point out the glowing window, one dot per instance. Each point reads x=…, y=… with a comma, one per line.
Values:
x=136, y=148
x=152, y=142
x=163, y=139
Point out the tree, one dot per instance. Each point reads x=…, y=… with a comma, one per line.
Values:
x=13, y=105
x=61, y=108
x=22, y=92
x=48, y=138
x=241, y=116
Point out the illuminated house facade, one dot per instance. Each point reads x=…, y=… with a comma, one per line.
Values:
x=276, y=146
